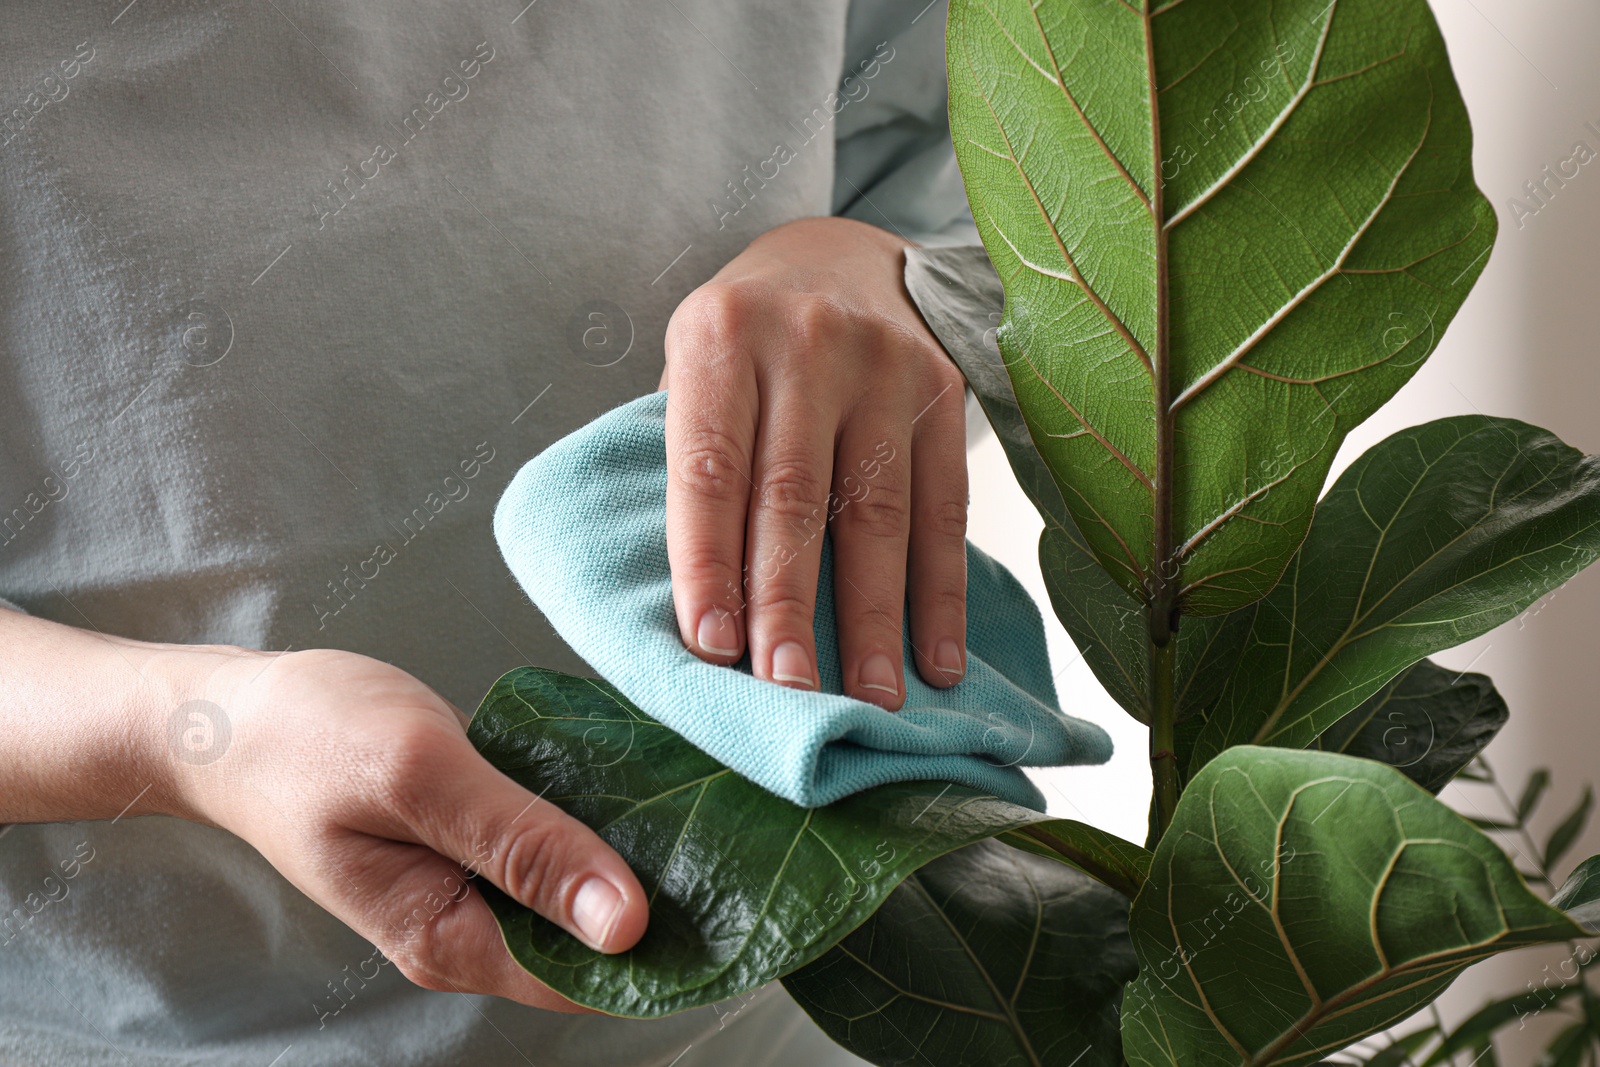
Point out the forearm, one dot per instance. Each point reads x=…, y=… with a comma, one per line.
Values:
x=84, y=720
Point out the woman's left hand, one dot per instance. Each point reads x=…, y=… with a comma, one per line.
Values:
x=806, y=392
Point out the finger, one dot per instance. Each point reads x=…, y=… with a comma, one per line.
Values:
x=788, y=517
x=434, y=926
x=938, y=560
x=444, y=795
x=871, y=523
x=712, y=414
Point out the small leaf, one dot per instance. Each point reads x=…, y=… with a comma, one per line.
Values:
x=744, y=885
x=1532, y=793
x=1432, y=537
x=987, y=957
x=1579, y=895
x=1569, y=1047
x=1479, y=1027
x=1563, y=837
x=1302, y=901
x=1427, y=722
x=1491, y=824
x=1399, y=1053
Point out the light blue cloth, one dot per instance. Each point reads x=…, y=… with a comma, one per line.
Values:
x=583, y=528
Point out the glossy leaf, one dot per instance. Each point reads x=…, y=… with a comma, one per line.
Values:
x=959, y=296
x=1434, y=536
x=987, y=957
x=1304, y=900
x=1228, y=230
x=1579, y=895
x=744, y=885
x=1427, y=722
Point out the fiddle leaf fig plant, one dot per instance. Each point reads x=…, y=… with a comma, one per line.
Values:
x=1217, y=235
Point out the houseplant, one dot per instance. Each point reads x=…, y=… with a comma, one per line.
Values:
x=1227, y=231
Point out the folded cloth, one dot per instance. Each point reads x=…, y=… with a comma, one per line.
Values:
x=583, y=528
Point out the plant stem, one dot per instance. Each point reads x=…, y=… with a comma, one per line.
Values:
x=1084, y=861
x=1163, y=579
x=1163, y=743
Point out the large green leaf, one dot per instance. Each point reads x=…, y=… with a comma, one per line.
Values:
x=1303, y=900
x=1435, y=536
x=987, y=957
x=1427, y=722
x=959, y=295
x=1228, y=230
x=744, y=886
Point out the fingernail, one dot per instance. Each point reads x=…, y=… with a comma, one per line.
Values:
x=791, y=664
x=596, y=909
x=717, y=634
x=877, y=672
x=947, y=657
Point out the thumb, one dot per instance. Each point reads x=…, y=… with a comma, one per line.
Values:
x=532, y=850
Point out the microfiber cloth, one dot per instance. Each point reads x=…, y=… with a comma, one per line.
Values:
x=583, y=528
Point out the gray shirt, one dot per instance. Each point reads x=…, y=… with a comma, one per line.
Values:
x=288, y=290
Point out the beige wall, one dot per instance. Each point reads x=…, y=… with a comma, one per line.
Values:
x=1526, y=345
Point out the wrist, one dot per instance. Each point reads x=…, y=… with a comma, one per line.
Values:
x=183, y=725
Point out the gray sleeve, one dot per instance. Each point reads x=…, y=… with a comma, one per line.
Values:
x=894, y=164
x=9, y=606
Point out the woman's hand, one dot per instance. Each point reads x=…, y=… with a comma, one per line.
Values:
x=806, y=392
x=357, y=782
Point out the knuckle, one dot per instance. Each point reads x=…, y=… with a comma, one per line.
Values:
x=945, y=374
x=717, y=311
x=534, y=863
x=710, y=463
x=419, y=953
x=944, y=521
x=883, y=512
x=407, y=770
x=777, y=604
x=942, y=601
x=817, y=320
x=791, y=490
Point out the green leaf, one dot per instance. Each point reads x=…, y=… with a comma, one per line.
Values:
x=1228, y=230
x=1121, y=865
x=1399, y=1053
x=1304, y=900
x=1532, y=793
x=987, y=957
x=744, y=886
x=1569, y=1047
x=1579, y=895
x=1563, y=837
x=959, y=296
x=1427, y=722
x=1434, y=536
x=1479, y=1027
